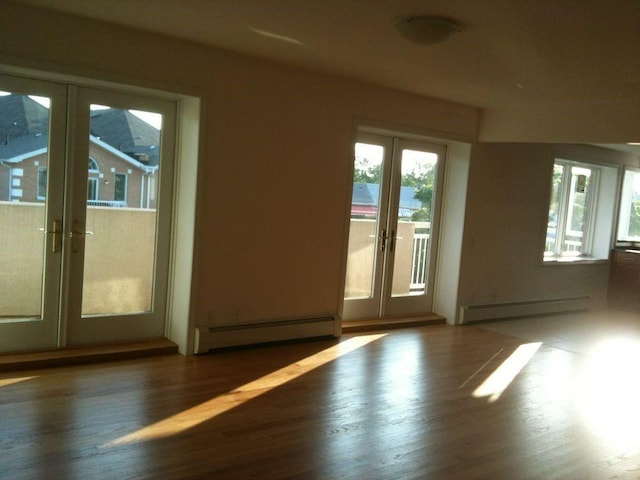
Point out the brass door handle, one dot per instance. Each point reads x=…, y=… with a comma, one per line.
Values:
x=56, y=235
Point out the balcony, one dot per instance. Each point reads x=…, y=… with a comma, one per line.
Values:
x=410, y=258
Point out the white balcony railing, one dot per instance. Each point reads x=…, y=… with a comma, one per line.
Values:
x=419, y=262
x=107, y=203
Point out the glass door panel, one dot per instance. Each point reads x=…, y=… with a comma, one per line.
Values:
x=31, y=156
x=121, y=217
x=415, y=205
x=367, y=226
x=363, y=236
x=118, y=272
x=414, y=214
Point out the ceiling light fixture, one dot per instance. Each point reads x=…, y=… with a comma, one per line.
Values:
x=427, y=29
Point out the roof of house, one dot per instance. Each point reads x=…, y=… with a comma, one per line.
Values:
x=20, y=116
x=123, y=130
x=24, y=125
x=364, y=199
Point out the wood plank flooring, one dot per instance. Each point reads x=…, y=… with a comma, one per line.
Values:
x=420, y=403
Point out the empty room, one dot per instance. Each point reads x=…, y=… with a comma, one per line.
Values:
x=303, y=239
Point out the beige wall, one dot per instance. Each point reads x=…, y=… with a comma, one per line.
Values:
x=505, y=227
x=274, y=176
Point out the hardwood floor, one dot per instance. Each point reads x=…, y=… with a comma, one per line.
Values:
x=436, y=402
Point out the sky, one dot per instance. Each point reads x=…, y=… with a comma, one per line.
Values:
x=153, y=119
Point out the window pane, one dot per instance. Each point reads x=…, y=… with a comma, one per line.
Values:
x=414, y=223
x=554, y=209
x=629, y=224
x=576, y=211
x=570, y=222
x=24, y=131
x=42, y=183
x=363, y=229
x=120, y=188
x=120, y=252
x=92, y=189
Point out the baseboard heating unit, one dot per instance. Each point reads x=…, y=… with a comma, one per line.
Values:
x=212, y=337
x=496, y=311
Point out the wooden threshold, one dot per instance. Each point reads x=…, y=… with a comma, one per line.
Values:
x=353, y=326
x=85, y=354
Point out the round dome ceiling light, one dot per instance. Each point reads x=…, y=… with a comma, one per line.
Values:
x=427, y=30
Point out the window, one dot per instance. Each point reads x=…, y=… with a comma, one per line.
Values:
x=572, y=207
x=120, y=187
x=93, y=165
x=42, y=183
x=92, y=189
x=629, y=220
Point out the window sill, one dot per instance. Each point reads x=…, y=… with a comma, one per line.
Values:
x=573, y=261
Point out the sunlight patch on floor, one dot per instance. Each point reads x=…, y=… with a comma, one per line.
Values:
x=496, y=383
x=610, y=393
x=203, y=412
x=9, y=381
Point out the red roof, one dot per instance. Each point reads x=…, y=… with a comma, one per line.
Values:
x=364, y=209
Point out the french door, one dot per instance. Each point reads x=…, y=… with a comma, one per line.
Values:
x=394, y=227
x=85, y=202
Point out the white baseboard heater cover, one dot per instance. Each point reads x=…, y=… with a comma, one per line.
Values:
x=495, y=311
x=208, y=337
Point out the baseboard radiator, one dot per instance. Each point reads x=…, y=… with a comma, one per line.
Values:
x=208, y=338
x=496, y=311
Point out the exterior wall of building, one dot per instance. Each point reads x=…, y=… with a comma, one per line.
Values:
x=23, y=180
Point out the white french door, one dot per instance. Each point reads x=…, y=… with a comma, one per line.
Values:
x=393, y=228
x=84, y=214
x=32, y=131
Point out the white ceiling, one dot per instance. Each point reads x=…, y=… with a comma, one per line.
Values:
x=509, y=53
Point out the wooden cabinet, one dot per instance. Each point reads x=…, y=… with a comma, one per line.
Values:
x=624, y=279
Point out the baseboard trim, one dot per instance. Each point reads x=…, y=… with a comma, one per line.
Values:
x=496, y=311
x=367, y=325
x=69, y=356
x=223, y=336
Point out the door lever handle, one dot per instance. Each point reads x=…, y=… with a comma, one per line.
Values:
x=76, y=232
x=383, y=240
x=392, y=240
x=56, y=235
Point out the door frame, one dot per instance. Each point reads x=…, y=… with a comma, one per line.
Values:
x=388, y=306
x=23, y=334
x=68, y=151
x=78, y=329
x=407, y=305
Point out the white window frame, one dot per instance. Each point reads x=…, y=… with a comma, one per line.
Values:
x=92, y=163
x=115, y=186
x=93, y=181
x=41, y=171
x=565, y=200
x=626, y=201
